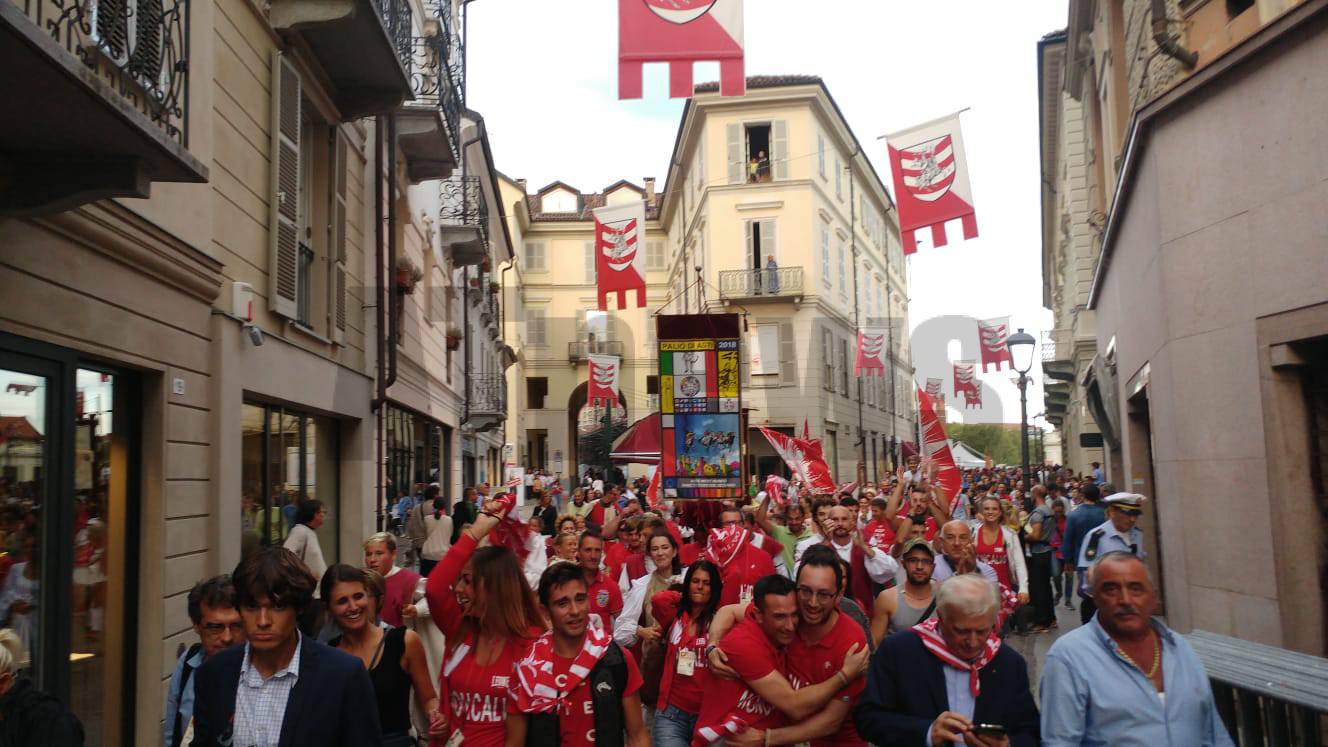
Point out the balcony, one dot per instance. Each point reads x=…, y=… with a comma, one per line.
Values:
x=103, y=92
x=583, y=349
x=1056, y=361
x=429, y=127
x=363, y=46
x=487, y=408
x=463, y=223
x=781, y=284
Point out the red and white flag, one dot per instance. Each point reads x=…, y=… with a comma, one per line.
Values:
x=992, y=336
x=934, y=387
x=603, y=387
x=931, y=180
x=966, y=383
x=936, y=446
x=652, y=489
x=806, y=430
x=514, y=482
x=619, y=266
x=804, y=458
x=871, y=352
x=775, y=487
x=681, y=33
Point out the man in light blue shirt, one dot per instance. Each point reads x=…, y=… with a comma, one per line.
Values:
x=1125, y=678
x=217, y=623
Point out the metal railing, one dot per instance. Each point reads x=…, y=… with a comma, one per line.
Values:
x=463, y=203
x=778, y=283
x=433, y=85
x=1048, y=347
x=582, y=349
x=396, y=17
x=139, y=47
x=1267, y=696
x=488, y=394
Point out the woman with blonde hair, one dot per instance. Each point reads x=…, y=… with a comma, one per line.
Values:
x=482, y=603
x=28, y=716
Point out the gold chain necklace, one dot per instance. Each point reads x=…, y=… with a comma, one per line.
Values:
x=1157, y=658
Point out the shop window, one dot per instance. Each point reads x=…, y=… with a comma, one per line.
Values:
x=287, y=457
x=67, y=470
x=419, y=452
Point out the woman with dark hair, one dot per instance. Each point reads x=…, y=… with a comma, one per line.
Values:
x=303, y=541
x=394, y=657
x=482, y=603
x=686, y=616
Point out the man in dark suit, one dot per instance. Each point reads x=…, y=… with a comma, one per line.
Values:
x=281, y=689
x=949, y=680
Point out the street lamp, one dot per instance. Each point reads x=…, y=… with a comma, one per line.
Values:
x=1021, y=346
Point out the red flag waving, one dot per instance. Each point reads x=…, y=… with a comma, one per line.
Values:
x=936, y=446
x=931, y=180
x=804, y=458
x=992, y=336
x=619, y=266
x=681, y=33
x=966, y=383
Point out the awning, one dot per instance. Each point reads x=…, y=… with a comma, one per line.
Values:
x=639, y=444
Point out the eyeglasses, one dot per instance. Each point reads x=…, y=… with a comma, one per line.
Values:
x=216, y=629
x=808, y=593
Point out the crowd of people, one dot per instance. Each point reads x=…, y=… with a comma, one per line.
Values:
x=879, y=615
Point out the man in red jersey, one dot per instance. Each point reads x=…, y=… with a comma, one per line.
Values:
x=755, y=651
x=741, y=563
x=605, y=597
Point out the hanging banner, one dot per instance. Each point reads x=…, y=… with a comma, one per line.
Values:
x=934, y=387
x=931, y=180
x=871, y=352
x=992, y=335
x=700, y=406
x=936, y=445
x=619, y=267
x=966, y=383
x=804, y=459
x=681, y=33
x=603, y=382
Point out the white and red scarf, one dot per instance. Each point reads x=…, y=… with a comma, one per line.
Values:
x=932, y=639
x=731, y=726
x=537, y=689
x=725, y=545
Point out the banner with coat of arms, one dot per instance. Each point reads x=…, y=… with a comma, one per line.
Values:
x=992, y=336
x=602, y=389
x=681, y=33
x=931, y=180
x=871, y=352
x=619, y=265
x=966, y=383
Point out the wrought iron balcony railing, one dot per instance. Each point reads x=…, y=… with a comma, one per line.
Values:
x=782, y=282
x=396, y=17
x=432, y=82
x=583, y=349
x=140, y=47
x=488, y=394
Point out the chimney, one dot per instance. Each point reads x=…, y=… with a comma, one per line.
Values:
x=650, y=189
x=522, y=184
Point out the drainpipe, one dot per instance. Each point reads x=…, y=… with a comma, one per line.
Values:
x=380, y=298
x=1162, y=37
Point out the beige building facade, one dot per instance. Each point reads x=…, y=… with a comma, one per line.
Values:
x=243, y=296
x=1206, y=283
x=771, y=197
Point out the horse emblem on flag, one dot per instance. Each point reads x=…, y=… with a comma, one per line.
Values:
x=929, y=168
x=931, y=181
x=619, y=267
x=602, y=386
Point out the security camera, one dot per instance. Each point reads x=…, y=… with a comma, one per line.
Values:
x=255, y=334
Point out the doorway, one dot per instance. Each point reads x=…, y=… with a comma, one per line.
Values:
x=1140, y=480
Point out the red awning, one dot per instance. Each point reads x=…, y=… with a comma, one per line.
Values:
x=640, y=443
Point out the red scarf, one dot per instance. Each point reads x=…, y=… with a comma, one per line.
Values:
x=537, y=690
x=926, y=630
x=511, y=532
x=731, y=726
x=725, y=545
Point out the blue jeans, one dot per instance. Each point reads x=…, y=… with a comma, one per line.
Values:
x=673, y=728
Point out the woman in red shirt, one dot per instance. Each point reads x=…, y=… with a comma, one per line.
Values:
x=480, y=600
x=999, y=547
x=686, y=617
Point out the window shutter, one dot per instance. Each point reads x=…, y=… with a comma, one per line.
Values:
x=737, y=163
x=751, y=245
x=590, y=261
x=820, y=154
x=338, y=228
x=283, y=230
x=768, y=240
x=700, y=166
x=779, y=148
x=788, y=354
x=654, y=255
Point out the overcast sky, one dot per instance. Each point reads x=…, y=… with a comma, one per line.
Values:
x=544, y=75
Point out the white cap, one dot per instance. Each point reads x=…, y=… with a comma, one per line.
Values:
x=1125, y=500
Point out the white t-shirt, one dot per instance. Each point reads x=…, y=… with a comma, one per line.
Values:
x=304, y=543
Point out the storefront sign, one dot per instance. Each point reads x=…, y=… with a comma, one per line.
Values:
x=700, y=406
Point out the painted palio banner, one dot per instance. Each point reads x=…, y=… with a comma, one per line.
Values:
x=700, y=403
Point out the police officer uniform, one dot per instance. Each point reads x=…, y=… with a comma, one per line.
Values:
x=1105, y=538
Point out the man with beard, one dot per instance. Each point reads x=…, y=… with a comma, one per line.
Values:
x=1125, y=677
x=576, y=686
x=902, y=607
x=949, y=679
x=752, y=692
x=868, y=565
x=793, y=531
